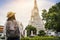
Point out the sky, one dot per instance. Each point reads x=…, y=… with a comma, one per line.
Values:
x=23, y=9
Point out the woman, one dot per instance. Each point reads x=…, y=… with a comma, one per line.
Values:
x=12, y=29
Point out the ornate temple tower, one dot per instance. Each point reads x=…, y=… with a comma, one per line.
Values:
x=35, y=20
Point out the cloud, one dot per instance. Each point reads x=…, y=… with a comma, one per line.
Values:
x=23, y=9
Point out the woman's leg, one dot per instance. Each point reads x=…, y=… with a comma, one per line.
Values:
x=10, y=38
x=17, y=38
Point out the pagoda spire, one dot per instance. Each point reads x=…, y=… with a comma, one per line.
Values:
x=35, y=4
x=35, y=20
x=35, y=10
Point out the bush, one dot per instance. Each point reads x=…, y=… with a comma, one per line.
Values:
x=41, y=33
x=41, y=38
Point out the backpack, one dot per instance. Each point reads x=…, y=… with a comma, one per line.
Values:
x=12, y=29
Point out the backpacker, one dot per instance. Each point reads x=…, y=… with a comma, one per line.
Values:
x=12, y=29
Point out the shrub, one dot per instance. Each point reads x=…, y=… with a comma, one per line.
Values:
x=41, y=38
x=41, y=33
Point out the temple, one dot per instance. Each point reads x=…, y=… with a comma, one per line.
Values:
x=35, y=19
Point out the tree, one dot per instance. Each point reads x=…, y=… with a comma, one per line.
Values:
x=52, y=17
x=30, y=28
x=41, y=33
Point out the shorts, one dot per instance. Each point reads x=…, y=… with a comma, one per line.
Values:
x=16, y=38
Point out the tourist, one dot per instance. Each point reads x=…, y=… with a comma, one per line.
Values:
x=12, y=29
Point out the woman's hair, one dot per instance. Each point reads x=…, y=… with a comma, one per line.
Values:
x=11, y=18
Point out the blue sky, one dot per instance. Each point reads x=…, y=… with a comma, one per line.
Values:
x=3, y=2
x=55, y=1
x=22, y=8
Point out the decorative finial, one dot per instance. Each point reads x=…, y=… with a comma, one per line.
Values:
x=35, y=3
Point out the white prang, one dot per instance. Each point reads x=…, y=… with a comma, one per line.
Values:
x=35, y=20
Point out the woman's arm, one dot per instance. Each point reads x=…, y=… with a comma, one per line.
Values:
x=4, y=30
x=20, y=29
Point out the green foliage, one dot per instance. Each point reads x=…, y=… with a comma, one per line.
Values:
x=41, y=38
x=41, y=33
x=52, y=17
x=30, y=28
